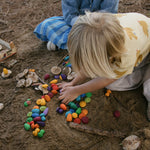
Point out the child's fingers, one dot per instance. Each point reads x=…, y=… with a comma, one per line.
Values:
x=62, y=90
x=65, y=101
x=61, y=97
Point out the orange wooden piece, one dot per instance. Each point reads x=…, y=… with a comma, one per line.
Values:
x=69, y=117
x=47, y=98
x=31, y=70
x=108, y=91
x=33, y=126
x=54, y=92
x=85, y=111
x=82, y=115
x=36, y=107
x=107, y=94
x=63, y=106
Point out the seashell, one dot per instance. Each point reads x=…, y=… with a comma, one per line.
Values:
x=28, y=82
x=147, y=133
x=131, y=142
x=44, y=90
x=21, y=83
x=1, y=47
x=6, y=73
x=22, y=74
x=1, y=106
x=34, y=77
x=25, y=71
x=71, y=76
x=56, y=70
x=66, y=70
x=19, y=76
x=36, y=85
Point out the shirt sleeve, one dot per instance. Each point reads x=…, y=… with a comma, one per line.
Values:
x=109, y=6
x=70, y=9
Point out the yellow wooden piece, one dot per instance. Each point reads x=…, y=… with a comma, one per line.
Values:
x=5, y=71
x=74, y=115
x=45, y=86
x=82, y=104
x=36, y=131
x=54, y=81
x=41, y=102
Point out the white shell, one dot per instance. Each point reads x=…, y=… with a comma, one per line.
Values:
x=66, y=70
x=6, y=75
x=33, y=76
x=28, y=82
x=19, y=76
x=25, y=71
x=1, y=47
x=45, y=91
x=71, y=76
x=56, y=70
x=131, y=142
x=1, y=106
x=21, y=83
x=22, y=74
x=51, y=46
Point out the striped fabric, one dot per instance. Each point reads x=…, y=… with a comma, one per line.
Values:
x=53, y=29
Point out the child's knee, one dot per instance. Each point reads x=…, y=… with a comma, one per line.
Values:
x=146, y=89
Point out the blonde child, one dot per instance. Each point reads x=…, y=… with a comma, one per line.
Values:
x=112, y=50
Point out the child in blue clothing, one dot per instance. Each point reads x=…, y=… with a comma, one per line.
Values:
x=55, y=30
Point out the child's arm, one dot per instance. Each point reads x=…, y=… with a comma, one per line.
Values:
x=72, y=92
x=79, y=78
x=70, y=10
x=109, y=6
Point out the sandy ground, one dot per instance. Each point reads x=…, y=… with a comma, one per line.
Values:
x=18, y=18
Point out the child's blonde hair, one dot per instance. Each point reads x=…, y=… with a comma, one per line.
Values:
x=94, y=38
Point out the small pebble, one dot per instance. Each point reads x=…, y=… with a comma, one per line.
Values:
x=117, y=114
x=1, y=106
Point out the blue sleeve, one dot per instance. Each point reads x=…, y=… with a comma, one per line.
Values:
x=70, y=9
x=109, y=6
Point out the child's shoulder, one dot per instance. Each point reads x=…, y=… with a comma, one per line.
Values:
x=131, y=15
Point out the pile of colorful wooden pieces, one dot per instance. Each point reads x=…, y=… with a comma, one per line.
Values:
x=37, y=117
x=76, y=112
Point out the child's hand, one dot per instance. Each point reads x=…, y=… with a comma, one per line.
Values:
x=64, y=84
x=68, y=94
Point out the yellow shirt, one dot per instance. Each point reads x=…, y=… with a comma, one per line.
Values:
x=137, y=41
